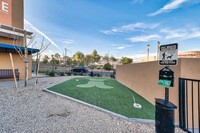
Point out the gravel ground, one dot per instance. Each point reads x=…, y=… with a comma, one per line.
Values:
x=31, y=110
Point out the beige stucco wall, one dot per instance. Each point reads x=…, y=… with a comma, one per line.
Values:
x=143, y=78
x=10, y=41
x=5, y=40
x=14, y=18
x=190, y=68
x=5, y=63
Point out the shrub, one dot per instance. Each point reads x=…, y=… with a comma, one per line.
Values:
x=126, y=60
x=107, y=66
x=47, y=72
x=62, y=74
x=69, y=74
x=52, y=74
x=56, y=72
x=41, y=71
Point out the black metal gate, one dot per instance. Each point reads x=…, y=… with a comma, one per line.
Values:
x=189, y=105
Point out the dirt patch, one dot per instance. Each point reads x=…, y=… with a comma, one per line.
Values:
x=61, y=114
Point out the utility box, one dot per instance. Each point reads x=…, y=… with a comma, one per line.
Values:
x=164, y=116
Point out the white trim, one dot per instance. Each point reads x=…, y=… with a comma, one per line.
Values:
x=12, y=32
x=8, y=33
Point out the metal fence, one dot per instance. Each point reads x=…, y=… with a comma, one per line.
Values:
x=189, y=105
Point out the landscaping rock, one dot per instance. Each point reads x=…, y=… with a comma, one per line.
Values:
x=33, y=110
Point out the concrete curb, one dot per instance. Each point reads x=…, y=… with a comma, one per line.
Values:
x=134, y=120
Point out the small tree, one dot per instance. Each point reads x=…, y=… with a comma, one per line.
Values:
x=24, y=53
x=68, y=61
x=126, y=60
x=58, y=57
x=95, y=56
x=78, y=57
x=46, y=59
x=107, y=66
x=88, y=60
x=54, y=61
x=43, y=47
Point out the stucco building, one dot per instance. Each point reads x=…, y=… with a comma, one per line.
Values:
x=13, y=36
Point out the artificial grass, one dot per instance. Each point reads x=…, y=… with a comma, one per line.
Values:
x=117, y=99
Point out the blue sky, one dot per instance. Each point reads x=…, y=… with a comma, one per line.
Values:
x=120, y=27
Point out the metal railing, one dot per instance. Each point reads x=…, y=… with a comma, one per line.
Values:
x=189, y=105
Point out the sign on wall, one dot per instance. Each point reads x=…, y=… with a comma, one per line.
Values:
x=4, y=7
x=6, y=12
x=168, y=54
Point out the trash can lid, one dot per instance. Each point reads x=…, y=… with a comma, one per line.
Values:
x=165, y=104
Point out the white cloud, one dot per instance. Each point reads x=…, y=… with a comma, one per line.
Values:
x=32, y=28
x=123, y=47
x=182, y=33
x=105, y=31
x=68, y=41
x=174, y=4
x=130, y=27
x=171, y=34
x=144, y=38
x=120, y=47
x=195, y=33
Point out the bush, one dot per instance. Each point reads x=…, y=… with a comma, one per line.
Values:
x=69, y=74
x=41, y=71
x=62, y=74
x=107, y=66
x=56, y=72
x=47, y=72
x=52, y=74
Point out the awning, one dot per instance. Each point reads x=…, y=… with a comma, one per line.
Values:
x=7, y=48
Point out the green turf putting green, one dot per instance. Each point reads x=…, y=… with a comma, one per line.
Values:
x=95, y=82
x=108, y=94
